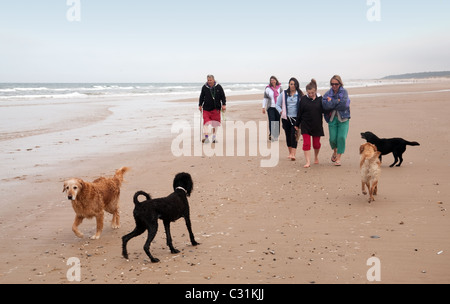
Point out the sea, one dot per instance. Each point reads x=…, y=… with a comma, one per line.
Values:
x=33, y=91
x=156, y=91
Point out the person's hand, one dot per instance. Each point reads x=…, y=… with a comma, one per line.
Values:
x=296, y=128
x=200, y=108
x=329, y=99
x=224, y=108
x=264, y=111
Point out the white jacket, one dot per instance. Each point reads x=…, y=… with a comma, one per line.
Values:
x=269, y=100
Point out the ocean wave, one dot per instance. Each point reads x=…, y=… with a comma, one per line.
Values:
x=15, y=91
x=23, y=89
x=44, y=96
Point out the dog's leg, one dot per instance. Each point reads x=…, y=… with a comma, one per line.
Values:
x=152, y=229
x=126, y=238
x=400, y=156
x=372, y=190
x=169, y=237
x=189, y=228
x=363, y=184
x=99, y=219
x=369, y=190
x=76, y=223
x=115, y=223
x=395, y=159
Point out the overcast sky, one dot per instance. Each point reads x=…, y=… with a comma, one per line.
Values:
x=238, y=41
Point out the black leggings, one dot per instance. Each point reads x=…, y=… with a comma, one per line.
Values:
x=289, y=129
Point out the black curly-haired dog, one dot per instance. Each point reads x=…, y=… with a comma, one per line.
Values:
x=396, y=146
x=168, y=209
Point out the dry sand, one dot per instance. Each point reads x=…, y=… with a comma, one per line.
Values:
x=277, y=225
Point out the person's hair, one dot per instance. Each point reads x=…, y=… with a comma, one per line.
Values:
x=312, y=85
x=273, y=77
x=297, y=87
x=338, y=79
x=210, y=76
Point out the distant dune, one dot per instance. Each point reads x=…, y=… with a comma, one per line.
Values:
x=419, y=75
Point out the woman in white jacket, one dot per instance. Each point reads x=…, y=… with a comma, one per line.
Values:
x=271, y=93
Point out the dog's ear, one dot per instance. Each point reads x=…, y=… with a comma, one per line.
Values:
x=361, y=149
x=81, y=182
x=64, y=187
x=190, y=187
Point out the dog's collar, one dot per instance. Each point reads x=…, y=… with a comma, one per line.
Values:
x=181, y=188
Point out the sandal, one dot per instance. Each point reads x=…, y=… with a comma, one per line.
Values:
x=337, y=163
x=333, y=158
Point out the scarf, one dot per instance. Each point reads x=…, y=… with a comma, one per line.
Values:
x=276, y=93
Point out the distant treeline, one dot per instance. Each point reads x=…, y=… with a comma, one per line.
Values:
x=419, y=75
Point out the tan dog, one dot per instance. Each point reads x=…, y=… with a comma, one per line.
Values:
x=92, y=199
x=370, y=169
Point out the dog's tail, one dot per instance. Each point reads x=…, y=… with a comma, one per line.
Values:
x=184, y=181
x=137, y=194
x=120, y=172
x=412, y=143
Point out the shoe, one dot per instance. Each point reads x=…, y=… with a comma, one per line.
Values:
x=334, y=158
x=205, y=141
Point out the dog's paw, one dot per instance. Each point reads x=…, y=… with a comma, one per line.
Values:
x=155, y=260
x=114, y=226
x=95, y=237
x=364, y=192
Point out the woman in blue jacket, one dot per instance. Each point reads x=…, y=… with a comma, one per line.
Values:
x=336, y=105
x=288, y=104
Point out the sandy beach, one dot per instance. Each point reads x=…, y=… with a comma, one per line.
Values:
x=269, y=225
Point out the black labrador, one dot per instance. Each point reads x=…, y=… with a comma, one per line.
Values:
x=396, y=146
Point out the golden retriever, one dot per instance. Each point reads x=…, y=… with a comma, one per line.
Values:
x=92, y=199
x=370, y=169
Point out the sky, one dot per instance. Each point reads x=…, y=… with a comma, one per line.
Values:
x=237, y=41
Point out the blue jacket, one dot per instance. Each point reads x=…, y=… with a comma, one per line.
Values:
x=339, y=102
